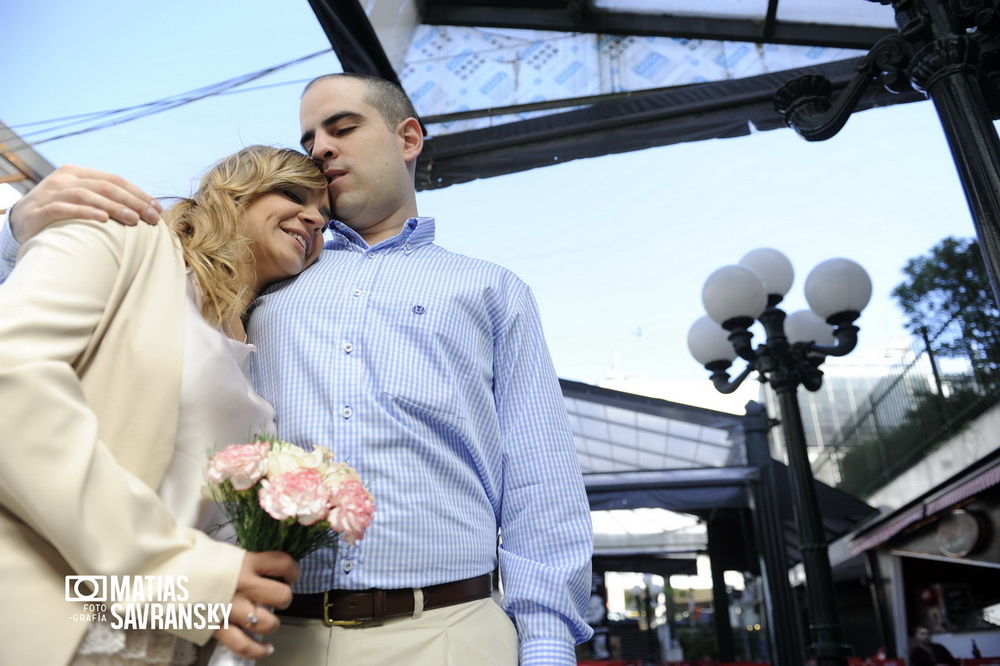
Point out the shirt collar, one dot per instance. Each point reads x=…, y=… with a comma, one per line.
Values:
x=416, y=231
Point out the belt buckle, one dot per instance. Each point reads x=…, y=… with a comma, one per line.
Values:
x=336, y=623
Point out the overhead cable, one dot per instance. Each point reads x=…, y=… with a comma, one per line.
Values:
x=123, y=115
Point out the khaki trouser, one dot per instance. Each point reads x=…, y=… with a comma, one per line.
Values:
x=477, y=633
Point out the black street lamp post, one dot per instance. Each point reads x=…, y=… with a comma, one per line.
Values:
x=796, y=345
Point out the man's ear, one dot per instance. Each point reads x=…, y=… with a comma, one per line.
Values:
x=413, y=138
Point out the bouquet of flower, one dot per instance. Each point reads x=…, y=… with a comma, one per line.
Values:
x=278, y=496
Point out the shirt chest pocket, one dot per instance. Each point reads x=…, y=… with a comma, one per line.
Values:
x=424, y=357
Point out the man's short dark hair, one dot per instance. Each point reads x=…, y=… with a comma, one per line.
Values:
x=388, y=98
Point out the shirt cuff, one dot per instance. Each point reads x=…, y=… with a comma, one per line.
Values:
x=9, y=247
x=547, y=652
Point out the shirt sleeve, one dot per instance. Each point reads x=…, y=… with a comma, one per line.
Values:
x=57, y=476
x=9, y=247
x=545, y=532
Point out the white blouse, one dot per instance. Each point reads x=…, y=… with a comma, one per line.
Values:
x=218, y=407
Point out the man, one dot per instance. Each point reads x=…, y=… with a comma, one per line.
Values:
x=926, y=653
x=428, y=372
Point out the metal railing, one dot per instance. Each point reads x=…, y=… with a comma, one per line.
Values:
x=945, y=381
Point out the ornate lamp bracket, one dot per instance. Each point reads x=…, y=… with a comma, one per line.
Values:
x=943, y=57
x=805, y=102
x=980, y=14
x=720, y=376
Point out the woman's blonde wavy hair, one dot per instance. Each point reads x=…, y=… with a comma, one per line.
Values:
x=211, y=222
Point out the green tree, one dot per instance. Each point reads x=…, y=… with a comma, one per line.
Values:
x=947, y=293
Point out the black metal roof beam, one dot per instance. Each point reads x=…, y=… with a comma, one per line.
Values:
x=353, y=38
x=771, y=20
x=690, y=113
x=501, y=15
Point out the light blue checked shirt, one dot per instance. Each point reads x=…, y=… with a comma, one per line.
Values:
x=428, y=372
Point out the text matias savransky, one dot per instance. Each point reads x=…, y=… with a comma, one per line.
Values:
x=143, y=602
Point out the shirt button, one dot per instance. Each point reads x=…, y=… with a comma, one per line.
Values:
x=407, y=246
x=346, y=412
x=348, y=347
x=347, y=565
x=371, y=255
x=356, y=292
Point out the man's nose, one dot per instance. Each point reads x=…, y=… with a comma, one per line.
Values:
x=323, y=148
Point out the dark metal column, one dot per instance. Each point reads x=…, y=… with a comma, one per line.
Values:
x=783, y=625
x=947, y=70
x=720, y=599
x=828, y=646
x=883, y=619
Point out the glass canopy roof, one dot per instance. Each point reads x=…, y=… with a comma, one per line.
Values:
x=613, y=437
x=463, y=78
x=656, y=470
x=618, y=433
x=510, y=85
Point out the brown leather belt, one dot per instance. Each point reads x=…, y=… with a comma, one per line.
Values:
x=353, y=607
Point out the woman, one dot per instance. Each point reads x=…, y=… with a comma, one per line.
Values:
x=122, y=361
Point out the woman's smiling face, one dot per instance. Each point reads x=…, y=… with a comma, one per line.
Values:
x=285, y=228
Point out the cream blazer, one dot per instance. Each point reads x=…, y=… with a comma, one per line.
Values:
x=91, y=326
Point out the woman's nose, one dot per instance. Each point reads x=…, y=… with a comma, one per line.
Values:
x=313, y=218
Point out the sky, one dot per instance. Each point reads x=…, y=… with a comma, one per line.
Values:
x=615, y=248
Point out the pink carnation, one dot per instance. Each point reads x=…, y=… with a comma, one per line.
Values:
x=242, y=464
x=353, y=510
x=299, y=494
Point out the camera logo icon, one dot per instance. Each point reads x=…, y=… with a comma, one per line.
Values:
x=86, y=588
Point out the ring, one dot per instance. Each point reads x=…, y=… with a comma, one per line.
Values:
x=251, y=621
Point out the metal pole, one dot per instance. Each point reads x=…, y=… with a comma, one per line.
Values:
x=883, y=620
x=828, y=645
x=783, y=625
x=947, y=70
x=647, y=608
x=720, y=599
